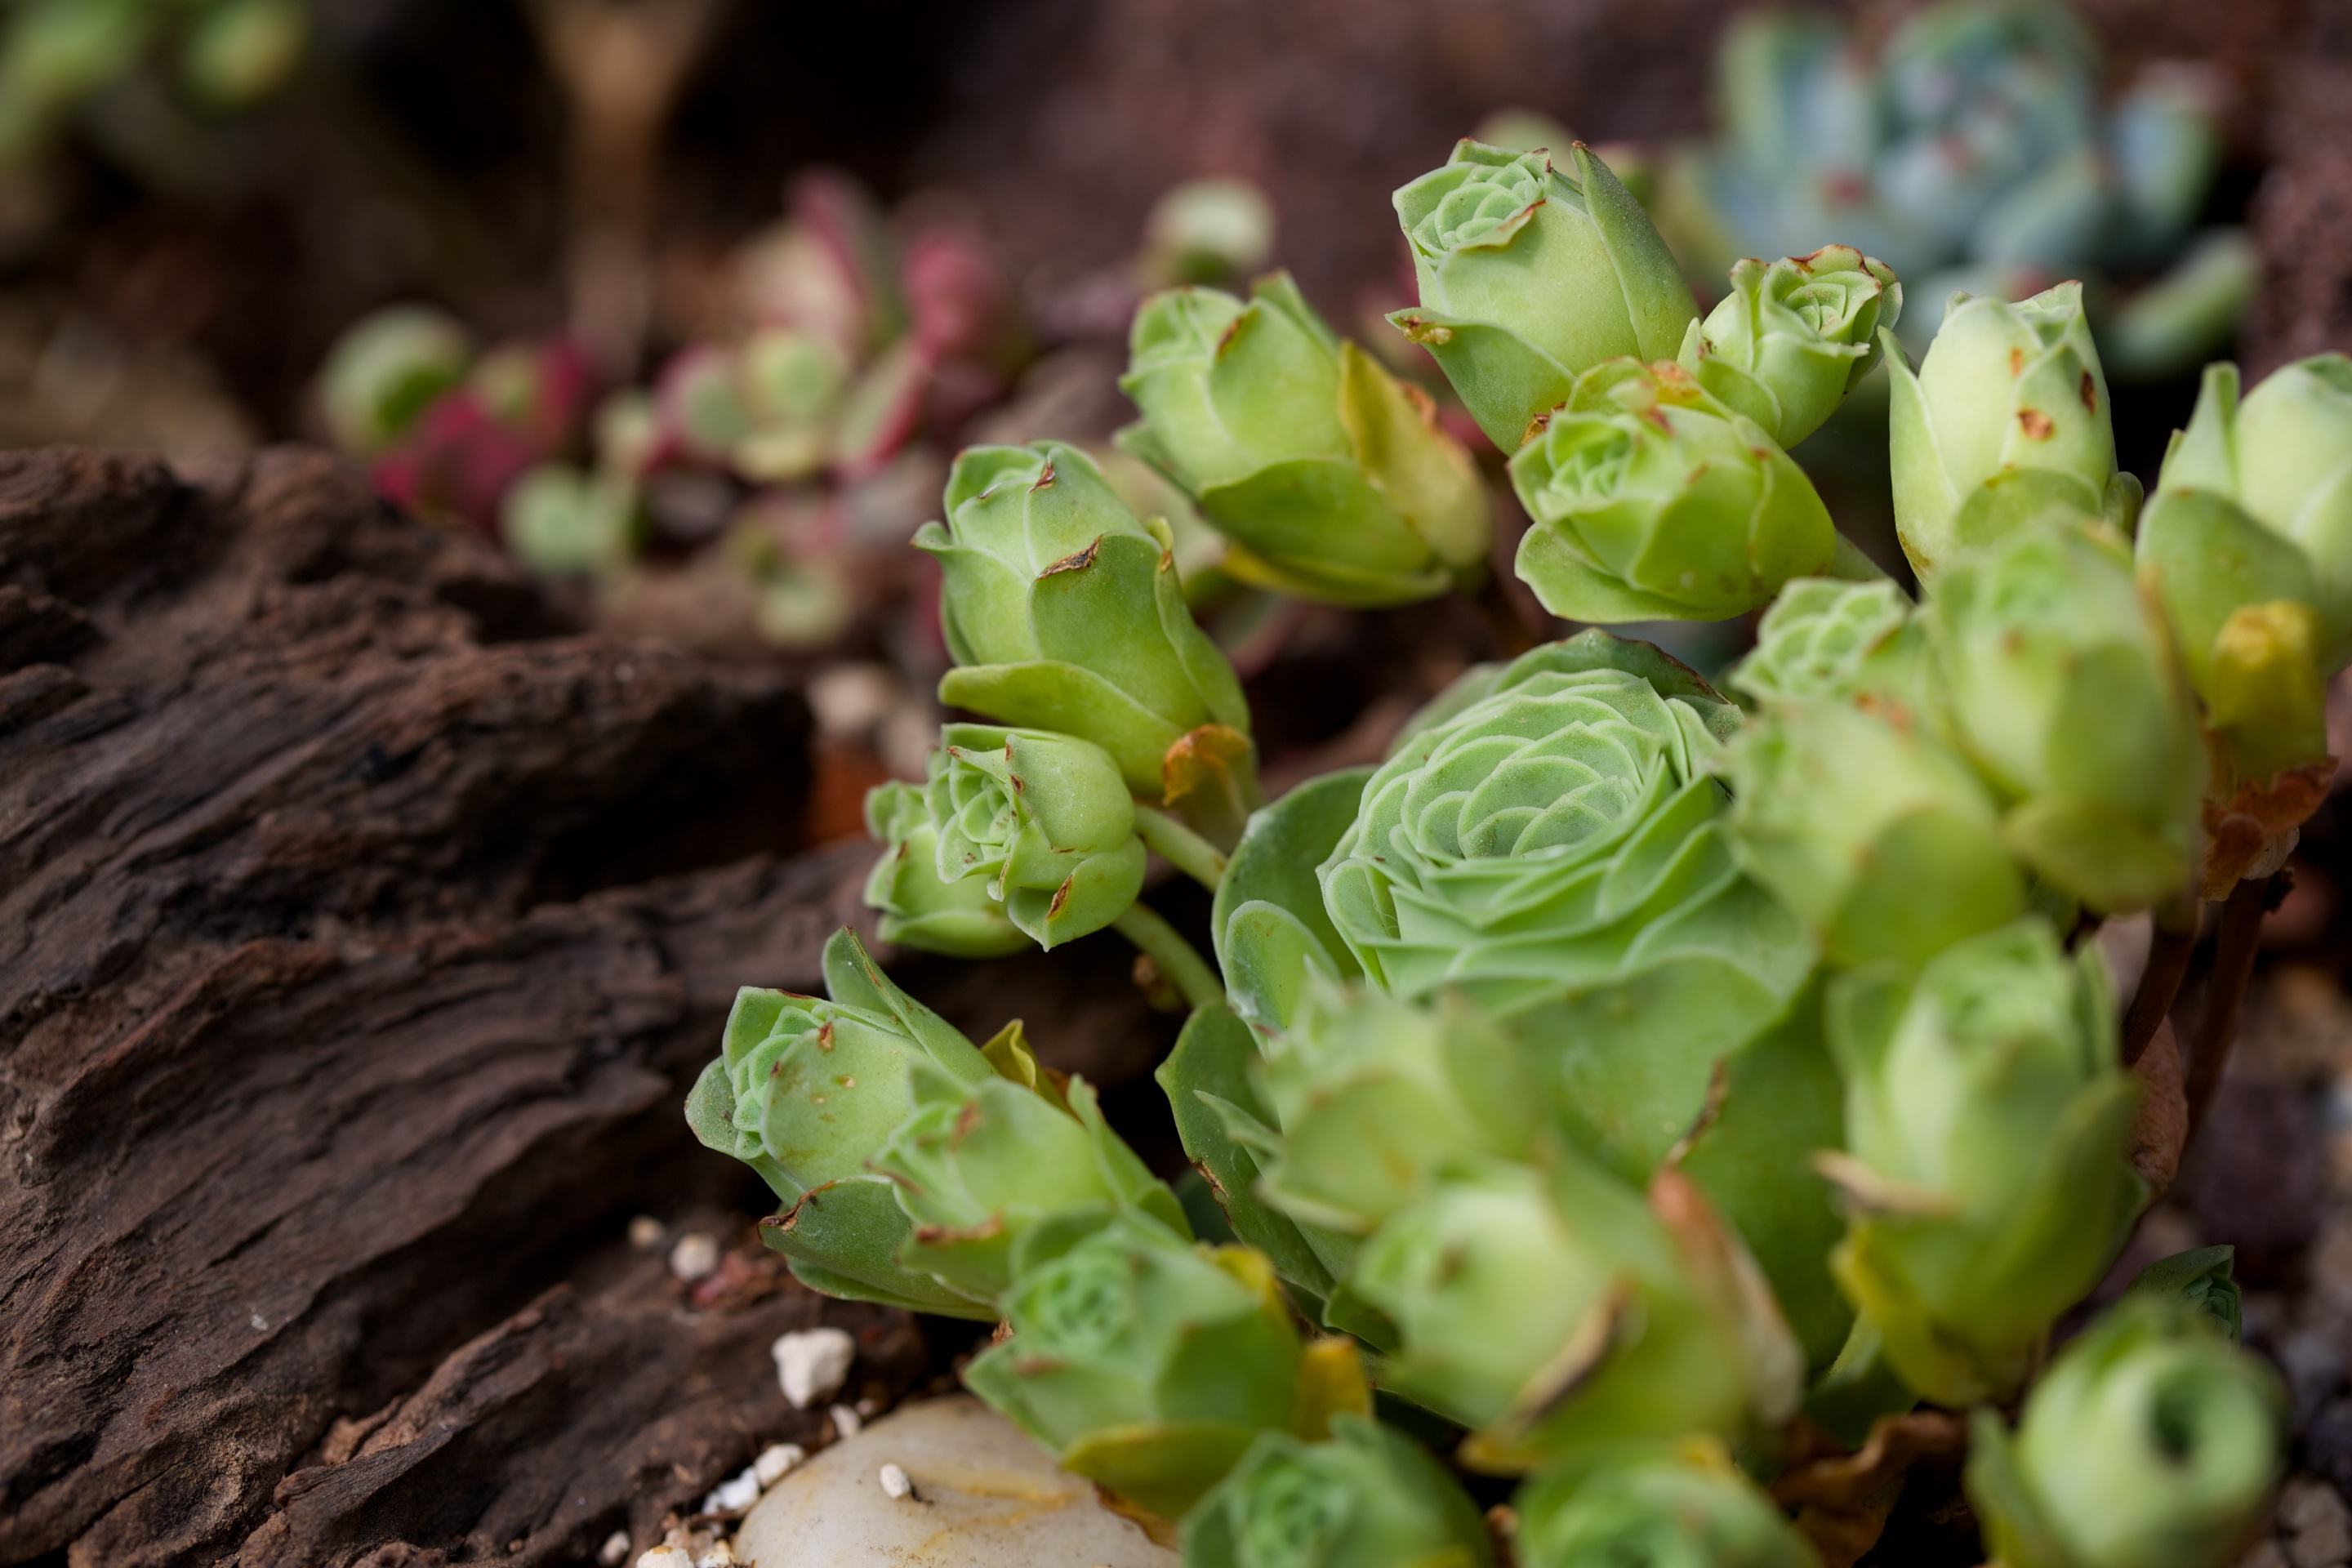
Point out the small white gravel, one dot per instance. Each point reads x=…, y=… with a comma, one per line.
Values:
x=645, y=1232
x=776, y=1461
x=895, y=1483
x=846, y=1423
x=721, y=1555
x=813, y=1364
x=696, y=1257
x=615, y=1550
x=665, y=1557
x=735, y=1495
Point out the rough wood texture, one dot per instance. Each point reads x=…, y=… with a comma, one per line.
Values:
x=360, y=927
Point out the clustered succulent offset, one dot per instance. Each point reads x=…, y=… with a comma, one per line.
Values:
x=1978, y=148
x=1617, y=1072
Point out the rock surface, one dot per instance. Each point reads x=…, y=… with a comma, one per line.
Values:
x=985, y=1496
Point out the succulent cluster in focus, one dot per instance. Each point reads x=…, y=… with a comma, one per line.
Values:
x=1627, y=1085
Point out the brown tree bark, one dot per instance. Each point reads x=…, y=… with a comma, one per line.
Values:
x=361, y=926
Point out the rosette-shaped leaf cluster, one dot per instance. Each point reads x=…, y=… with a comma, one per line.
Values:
x=2249, y=538
x=2006, y=419
x=1988, y=1124
x=1151, y=1365
x=1064, y=612
x=1330, y=477
x=806, y=1092
x=1690, y=1510
x=1792, y=338
x=2151, y=1442
x=1552, y=1308
x=1651, y=500
x=1978, y=148
x=1043, y=821
x=1530, y=275
x=1366, y=1497
x=2199, y=1280
x=1556, y=851
x=921, y=908
x=2062, y=685
x=1824, y=636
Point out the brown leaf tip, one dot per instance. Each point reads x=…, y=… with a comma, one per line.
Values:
x=1076, y=562
x=1045, y=479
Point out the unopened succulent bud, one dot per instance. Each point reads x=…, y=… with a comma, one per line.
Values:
x=1988, y=1126
x=2149, y=1440
x=1792, y=338
x=2006, y=392
x=2200, y=1279
x=1530, y=276
x=1651, y=500
x=2064, y=691
x=1207, y=231
x=1828, y=637
x=1330, y=478
x=1064, y=612
x=920, y=907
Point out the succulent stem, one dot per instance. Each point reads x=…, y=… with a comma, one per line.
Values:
x=1177, y=963
x=2234, y=967
x=2167, y=965
x=1180, y=846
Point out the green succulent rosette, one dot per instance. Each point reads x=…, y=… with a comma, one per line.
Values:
x=1369, y=1497
x=1558, y=852
x=1986, y=1172
x=2007, y=417
x=1794, y=337
x=2200, y=1280
x=1825, y=636
x=1691, y=1508
x=2249, y=540
x=2063, y=687
x=1151, y=1365
x=808, y=1091
x=977, y=1166
x=1882, y=841
x=1064, y=612
x=1557, y=1313
x=1329, y=479
x=1530, y=275
x=1651, y=500
x=2149, y=1443
x=920, y=907
x=1043, y=821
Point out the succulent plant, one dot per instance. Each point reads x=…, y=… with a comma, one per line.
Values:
x=1530, y=275
x=1330, y=477
x=2150, y=1440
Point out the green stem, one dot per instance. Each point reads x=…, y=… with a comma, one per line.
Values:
x=1180, y=846
x=1173, y=956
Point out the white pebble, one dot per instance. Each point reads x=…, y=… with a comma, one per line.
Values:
x=721, y=1555
x=895, y=1483
x=645, y=1232
x=846, y=1423
x=665, y=1557
x=776, y=1461
x=813, y=1364
x=696, y=1257
x=615, y=1550
x=734, y=1495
